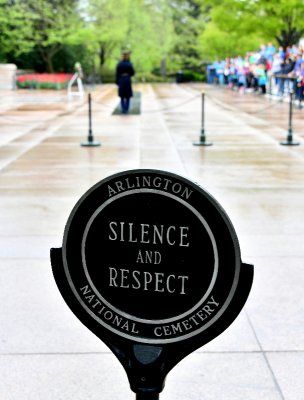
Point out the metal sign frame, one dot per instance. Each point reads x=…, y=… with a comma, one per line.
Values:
x=190, y=234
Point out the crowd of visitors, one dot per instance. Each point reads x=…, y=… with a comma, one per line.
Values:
x=278, y=69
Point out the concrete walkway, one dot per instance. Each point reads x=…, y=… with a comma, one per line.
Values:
x=45, y=352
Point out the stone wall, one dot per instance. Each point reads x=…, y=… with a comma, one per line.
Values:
x=8, y=76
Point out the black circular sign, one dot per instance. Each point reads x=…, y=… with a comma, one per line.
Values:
x=151, y=256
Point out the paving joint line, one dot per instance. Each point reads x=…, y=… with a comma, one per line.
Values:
x=199, y=351
x=276, y=383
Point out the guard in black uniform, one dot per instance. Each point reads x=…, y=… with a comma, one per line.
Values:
x=124, y=72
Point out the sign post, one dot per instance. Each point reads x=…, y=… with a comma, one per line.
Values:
x=151, y=264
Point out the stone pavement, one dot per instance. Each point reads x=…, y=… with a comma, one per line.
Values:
x=45, y=352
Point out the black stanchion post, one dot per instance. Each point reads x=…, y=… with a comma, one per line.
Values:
x=147, y=396
x=270, y=85
x=289, y=140
x=90, y=142
x=202, y=139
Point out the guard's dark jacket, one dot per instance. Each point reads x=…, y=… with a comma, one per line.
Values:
x=124, y=71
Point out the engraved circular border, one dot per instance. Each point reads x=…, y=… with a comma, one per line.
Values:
x=227, y=222
x=123, y=313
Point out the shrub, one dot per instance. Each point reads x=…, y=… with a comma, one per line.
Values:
x=151, y=78
x=43, y=81
x=190, y=76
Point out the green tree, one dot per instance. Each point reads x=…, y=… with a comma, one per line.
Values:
x=44, y=25
x=150, y=34
x=189, y=22
x=235, y=22
x=161, y=16
x=282, y=20
x=217, y=44
x=107, y=25
x=14, y=32
x=143, y=26
x=55, y=24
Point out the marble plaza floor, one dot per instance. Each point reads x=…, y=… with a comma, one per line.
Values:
x=45, y=352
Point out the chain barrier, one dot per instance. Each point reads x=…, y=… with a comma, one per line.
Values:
x=16, y=120
x=102, y=103
x=160, y=110
x=261, y=110
x=164, y=109
x=247, y=112
x=264, y=109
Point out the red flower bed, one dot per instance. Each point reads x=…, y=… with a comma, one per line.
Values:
x=43, y=81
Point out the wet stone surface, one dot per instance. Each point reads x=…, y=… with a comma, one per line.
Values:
x=44, y=349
